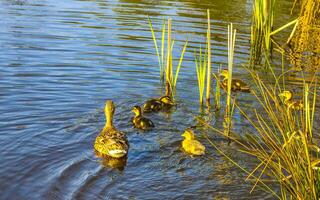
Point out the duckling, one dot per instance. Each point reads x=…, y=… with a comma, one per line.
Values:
x=289, y=102
x=155, y=105
x=191, y=145
x=110, y=141
x=139, y=121
x=236, y=84
x=167, y=102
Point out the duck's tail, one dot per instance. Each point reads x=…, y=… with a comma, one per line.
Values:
x=118, y=153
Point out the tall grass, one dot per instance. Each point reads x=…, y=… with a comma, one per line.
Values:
x=201, y=67
x=165, y=61
x=170, y=81
x=262, y=25
x=217, y=92
x=231, y=43
x=282, y=146
x=160, y=54
x=209, y=58
x=283, y=139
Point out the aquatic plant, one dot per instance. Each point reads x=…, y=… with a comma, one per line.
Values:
x=201, y=67
x=262, y=24
x=306, y=36
x=209, y=58
x=231, y=42
x=217, y=92
x=165, y=62
x=293, y=22
x=281, y=142
x=170, y=81
x=160, y=54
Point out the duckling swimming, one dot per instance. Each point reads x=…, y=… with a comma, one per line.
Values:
x=236, y=84
x=139, y=121
x=155, y=105
x=191, y=145
x=110, y=141
x=289, y=102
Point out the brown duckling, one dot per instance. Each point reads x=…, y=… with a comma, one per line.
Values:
x=289, y=102
x=110, y=141
x=237, y=85
x=155, y=105
x=139, y=121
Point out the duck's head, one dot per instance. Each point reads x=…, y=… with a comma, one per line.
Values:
x=287, y=95
x=167, y=100
x=188, y=134
x=136, y=110
x=109, y=108
x=224, y=73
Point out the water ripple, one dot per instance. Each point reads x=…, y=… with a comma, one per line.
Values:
x=61, y=60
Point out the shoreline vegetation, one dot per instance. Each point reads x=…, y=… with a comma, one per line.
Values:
x=284, y=142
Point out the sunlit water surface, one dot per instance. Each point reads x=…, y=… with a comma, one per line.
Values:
x=61, y=60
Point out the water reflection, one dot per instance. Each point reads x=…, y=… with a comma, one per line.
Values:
x=60, y=60
x=114, y=163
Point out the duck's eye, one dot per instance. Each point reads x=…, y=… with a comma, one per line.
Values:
x=101, y=140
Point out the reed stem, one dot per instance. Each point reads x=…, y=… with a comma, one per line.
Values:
x=208, y=59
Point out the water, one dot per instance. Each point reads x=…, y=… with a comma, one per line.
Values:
x=60, y=61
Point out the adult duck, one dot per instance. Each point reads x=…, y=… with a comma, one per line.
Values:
x=110, y=141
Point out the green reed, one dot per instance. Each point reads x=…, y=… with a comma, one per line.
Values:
x=170, y=81
x=201, y=68
x=231, y=43
x=165, y=57
x=208, y=58
x=160, y=54
x=217, y=93
x=262, y=24
x=281, y=143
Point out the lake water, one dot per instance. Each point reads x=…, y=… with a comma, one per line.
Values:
x=61, y=60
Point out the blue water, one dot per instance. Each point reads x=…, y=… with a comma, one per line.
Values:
x=61, y=60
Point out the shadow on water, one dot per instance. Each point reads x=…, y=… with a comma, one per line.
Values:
x=114, y=163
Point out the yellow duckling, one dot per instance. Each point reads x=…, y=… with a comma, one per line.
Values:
x=289, y=102
x=236, y=84
x=110, y=141
x=155, y=105
x=191, y=145
x=139, y=121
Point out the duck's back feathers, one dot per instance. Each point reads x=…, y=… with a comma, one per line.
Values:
x=193, y=147
x=142, y=122
x=295, y=105
x=112, y=143
x=237, y=85
x=152, y=105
